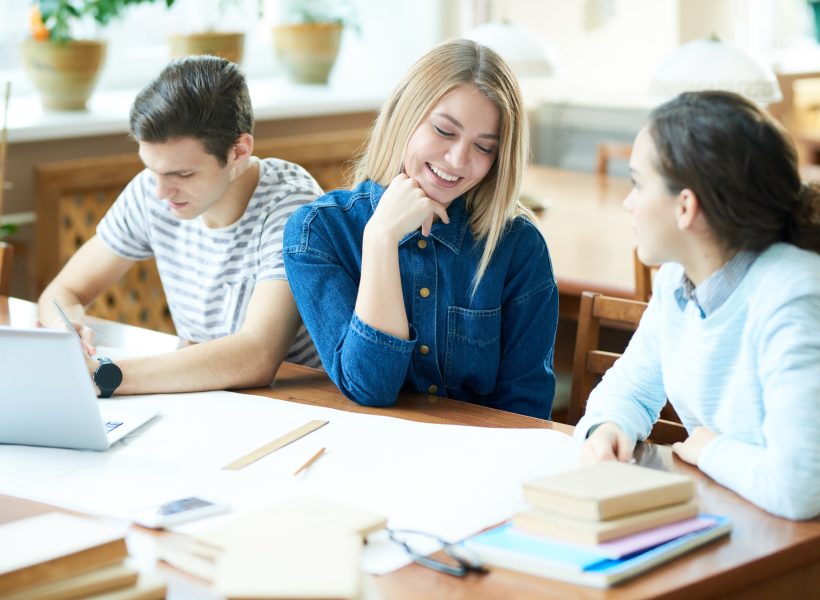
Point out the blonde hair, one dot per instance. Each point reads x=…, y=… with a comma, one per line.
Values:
x=493, y=203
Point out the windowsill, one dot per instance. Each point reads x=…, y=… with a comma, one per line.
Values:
x=273, y=98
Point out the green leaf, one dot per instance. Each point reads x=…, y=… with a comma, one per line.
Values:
x=7, y=229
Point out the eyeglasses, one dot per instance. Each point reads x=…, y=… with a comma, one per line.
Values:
x=464, y=561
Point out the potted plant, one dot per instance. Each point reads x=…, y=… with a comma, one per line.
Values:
x=227, y=44
x=64, y=69
x=814, y=5
x=308, y=44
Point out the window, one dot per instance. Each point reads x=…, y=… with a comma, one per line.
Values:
x=137, y=48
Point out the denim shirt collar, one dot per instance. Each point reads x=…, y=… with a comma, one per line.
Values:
x=450, y=234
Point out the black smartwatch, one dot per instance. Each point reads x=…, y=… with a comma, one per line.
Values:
x=107, y=376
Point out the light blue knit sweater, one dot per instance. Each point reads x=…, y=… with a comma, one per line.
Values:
x=750, y=372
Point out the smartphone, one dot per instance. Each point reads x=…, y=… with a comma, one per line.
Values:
x=178, y=511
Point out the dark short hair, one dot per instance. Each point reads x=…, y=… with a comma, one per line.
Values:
x=742, y=166
x=204, y=97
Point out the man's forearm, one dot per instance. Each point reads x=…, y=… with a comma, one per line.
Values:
x=235, y=361
x=70, y=302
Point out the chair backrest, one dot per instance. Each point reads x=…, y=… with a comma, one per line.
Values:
x=607, y=151
x=72, y=196
x=591, y=363
x=643, y=277
x=6, y=258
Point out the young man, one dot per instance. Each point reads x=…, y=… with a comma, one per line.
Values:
x=212, y=215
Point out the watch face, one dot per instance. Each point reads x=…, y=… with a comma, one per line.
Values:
x=108, y=376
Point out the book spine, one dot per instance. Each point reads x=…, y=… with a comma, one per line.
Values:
x=64, y=566
x=561, y=504
x=612, y=508
x=609, y=508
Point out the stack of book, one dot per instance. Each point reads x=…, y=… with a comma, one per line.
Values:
x=56, y=556
x=302, y=548
x=600, y=525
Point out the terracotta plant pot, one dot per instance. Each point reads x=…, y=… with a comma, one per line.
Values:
x=228, y=45
x=308, y=51
x=63, y=73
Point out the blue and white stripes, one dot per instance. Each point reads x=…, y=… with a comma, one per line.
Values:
x=209, y=274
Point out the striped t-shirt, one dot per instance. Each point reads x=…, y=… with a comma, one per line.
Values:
x=209, y=274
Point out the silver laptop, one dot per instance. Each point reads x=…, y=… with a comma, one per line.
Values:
x=47, y=397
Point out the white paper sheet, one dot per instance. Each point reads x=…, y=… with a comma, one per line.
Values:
x=448, y=480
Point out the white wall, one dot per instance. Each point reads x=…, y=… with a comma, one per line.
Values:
x=611, y=45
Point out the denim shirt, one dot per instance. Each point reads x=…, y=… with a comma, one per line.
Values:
x=493, y=348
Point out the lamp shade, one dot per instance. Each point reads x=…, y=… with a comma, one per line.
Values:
x=526, y=55
x=714, y=65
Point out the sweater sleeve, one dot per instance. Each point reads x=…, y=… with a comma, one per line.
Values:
x=783, y=475
x=631, y=393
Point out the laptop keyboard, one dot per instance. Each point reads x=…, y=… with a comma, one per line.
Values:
x=112, y=425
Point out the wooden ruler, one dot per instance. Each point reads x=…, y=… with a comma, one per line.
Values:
x=273, y=446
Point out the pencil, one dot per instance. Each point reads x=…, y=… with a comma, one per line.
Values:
x=309, y=462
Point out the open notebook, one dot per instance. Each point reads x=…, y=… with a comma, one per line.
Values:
x=47, y=397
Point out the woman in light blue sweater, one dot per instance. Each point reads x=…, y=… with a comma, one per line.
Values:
x=732, y=334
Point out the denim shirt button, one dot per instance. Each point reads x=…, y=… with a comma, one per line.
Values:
x=422, y=244
x=424, y=349
x=432, y=389
x=424, y=292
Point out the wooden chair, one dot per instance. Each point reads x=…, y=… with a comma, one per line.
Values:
x=6, y=258
x=72, y=196
x=591, y=362
x=607, y=151
x=643, y=277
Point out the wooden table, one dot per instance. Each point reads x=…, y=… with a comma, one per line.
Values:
x=588, y=232
x=765, y=557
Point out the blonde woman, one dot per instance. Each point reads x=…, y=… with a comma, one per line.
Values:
x=428, y=275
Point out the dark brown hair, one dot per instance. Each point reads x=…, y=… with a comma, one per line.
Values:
x=203, y=97
x=741, y=165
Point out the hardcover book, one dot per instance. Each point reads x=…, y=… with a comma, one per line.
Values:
x=608, y=490
x=560, y=527
x=54, y=546
x=83, y=585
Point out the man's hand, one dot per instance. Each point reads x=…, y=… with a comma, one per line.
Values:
x=689, y=450
x=92, y=365
x=87, y=335
x=607, y=442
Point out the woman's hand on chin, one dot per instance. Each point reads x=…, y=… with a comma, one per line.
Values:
x=404, y=207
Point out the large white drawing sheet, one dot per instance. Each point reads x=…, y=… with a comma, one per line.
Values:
x=444, y=479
